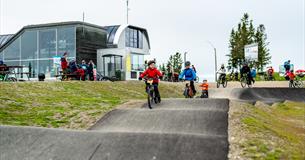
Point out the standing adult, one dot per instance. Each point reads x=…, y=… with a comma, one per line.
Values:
x=84, y=66
x=64, y=63
x=287, y=66
x=90, y=70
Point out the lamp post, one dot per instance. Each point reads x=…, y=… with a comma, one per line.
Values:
x=185, y=58
x=215, y=60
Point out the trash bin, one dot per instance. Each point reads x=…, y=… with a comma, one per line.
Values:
x=41, y=77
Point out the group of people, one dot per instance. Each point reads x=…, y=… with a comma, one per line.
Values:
x=83, y=71
x=188, y=74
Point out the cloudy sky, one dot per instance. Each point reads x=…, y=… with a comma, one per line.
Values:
x=184, y=25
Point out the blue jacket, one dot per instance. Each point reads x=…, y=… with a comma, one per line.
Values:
x=189, y=74
x=253, y=73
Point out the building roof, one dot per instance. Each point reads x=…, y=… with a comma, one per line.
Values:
x=15, y=36
x=5, y=38
x=114, y=32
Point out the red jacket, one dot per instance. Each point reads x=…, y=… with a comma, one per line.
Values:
x=152, y=73
x=64, y=63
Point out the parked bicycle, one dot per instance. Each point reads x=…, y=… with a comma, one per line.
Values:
x=100, y=77
x=245, y=81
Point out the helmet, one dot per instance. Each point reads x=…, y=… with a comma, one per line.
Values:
x=187, y=63
x=222, y=66
x=151, y=62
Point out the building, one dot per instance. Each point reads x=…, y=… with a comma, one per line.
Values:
x=116, y=50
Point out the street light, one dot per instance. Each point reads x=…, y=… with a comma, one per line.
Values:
x=185, y=58
x=215, y=60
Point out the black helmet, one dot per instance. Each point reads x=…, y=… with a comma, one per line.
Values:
x=150, y=62
x=187, y=63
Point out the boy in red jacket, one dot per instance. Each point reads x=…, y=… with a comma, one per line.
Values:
x=155, y=74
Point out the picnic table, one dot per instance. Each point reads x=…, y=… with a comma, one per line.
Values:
x=67, y=76
x=7, y=71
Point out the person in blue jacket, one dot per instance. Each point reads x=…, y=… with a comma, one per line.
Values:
x=189, y=75
x=253, y=75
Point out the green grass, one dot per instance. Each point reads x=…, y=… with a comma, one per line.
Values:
x=74, y=105
x=275, y=132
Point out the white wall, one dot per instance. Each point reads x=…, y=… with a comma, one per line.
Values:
x=122, y=51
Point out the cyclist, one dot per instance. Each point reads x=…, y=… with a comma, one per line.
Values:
x=246, y=70
x=287, y=66
x=270, y=72
x=189, y=75
x=222, y=72
x=253, y=75
x=155, y=74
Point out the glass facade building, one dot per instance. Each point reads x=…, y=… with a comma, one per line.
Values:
x=38, y=48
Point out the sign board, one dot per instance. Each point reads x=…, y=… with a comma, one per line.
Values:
x=251, y=52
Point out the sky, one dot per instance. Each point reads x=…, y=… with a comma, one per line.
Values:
x=177, y=26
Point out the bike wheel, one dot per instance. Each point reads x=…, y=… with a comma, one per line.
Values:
x=12, y=79
x=148, y=97
x=243, y=82
x=298, y=84
x=218, y=84
x=197, y=79
x=225, y=83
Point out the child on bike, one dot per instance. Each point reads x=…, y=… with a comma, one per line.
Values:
x=291, y=76
x=189, y=75
x=155, y=74
x=205, y=89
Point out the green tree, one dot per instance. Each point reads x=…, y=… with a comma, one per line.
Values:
x=263, y=52
x=246, y=34
x=176, y=62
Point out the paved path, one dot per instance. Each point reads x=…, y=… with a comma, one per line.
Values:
x=176, y=129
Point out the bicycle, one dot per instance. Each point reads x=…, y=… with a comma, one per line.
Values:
x=296, y=83
x=197, y=79
x=245, y=81
x=222, y=80
x=100, y=77
x=188, y=91
x=151, y=95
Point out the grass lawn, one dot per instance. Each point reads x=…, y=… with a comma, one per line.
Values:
x=74, y=105
x=274, y=132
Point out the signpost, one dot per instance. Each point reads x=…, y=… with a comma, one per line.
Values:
x=251, y=52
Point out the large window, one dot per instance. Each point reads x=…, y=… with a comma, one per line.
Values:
x=46, y=67
x=12, y=52
x=137, y=62
x=66, y=41
x=31, y=67
x=47, y=43
x=112, y=64
x=133, y=38
x=35, y=49
x=29, y=45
